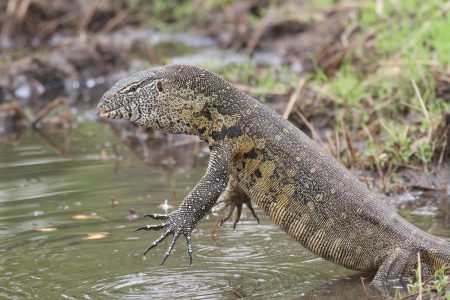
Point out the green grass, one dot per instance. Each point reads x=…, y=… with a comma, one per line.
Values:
x=437, y=287
x=377, y=81
x=259, y=81
x=177, y=14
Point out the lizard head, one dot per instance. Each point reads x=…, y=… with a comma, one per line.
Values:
x=156, y=98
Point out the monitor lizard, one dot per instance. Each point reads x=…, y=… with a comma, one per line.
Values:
x=255, y=152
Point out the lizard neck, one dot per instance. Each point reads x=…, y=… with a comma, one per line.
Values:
x=222, y=118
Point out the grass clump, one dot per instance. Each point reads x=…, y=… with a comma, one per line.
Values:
x=385, y=86
x=177, y=14
x=261, y=82
x=435, y=287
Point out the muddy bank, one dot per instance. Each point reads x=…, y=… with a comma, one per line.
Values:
x=76, y=66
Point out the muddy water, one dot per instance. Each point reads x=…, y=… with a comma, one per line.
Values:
x=66, y=230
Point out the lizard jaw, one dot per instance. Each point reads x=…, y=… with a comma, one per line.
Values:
x=109, y=113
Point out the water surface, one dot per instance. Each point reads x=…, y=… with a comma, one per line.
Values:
x=66, y=230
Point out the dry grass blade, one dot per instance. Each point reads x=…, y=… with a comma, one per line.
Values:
x=294, y=98
x=424, y=108
x=376, y=158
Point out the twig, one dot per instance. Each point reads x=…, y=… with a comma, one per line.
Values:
x=15, y=108
x=419, y=271
x=365, y=288
x=115, y=21
x=338, y=148
x=331, y=146
x=294, y=97
x=46, y=110
x=57, y=148
x=87, y=17
x=349, y=143
x=258, y=33
x=310, y=126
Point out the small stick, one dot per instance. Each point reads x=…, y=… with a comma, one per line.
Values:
x=348, y=142
x=365, y=288
x=259, y=32
x=115, y=21
x=294, y=98
x=87, y=16
x=310, y=126
x=14, y=107
x=22, y=11
x=46, y=110
x=331, y=146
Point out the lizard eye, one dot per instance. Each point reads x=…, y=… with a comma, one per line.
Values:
x=132, y=89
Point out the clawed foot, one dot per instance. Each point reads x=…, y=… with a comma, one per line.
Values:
x=176, y=225
x=237, y=205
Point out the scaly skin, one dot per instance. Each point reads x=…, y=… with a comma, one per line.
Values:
x=302, y=188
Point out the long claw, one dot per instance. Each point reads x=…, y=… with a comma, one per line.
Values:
x=238, y=215
x=158, y=216
x=230, y=213
x=189, y=247
x=172, y=243
x=252, y=210
x=159, y=240
x=152, y=227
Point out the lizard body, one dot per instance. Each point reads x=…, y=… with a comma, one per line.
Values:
x=302, y=188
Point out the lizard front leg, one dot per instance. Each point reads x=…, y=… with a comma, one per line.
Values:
x=195, y=205
x=234, y=198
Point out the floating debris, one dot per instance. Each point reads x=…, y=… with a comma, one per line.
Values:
x=165, y=206
x=114, y=201
x=132, y=215
x=37, y=213
x=103, y=155
x=46, y=110
x=85, y=217
x=45, y=229
x=96, y=236
x=64, y=206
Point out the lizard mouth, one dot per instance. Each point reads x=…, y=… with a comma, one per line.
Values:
x=107, y=113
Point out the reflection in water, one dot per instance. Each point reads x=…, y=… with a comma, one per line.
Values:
x=65, y=230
